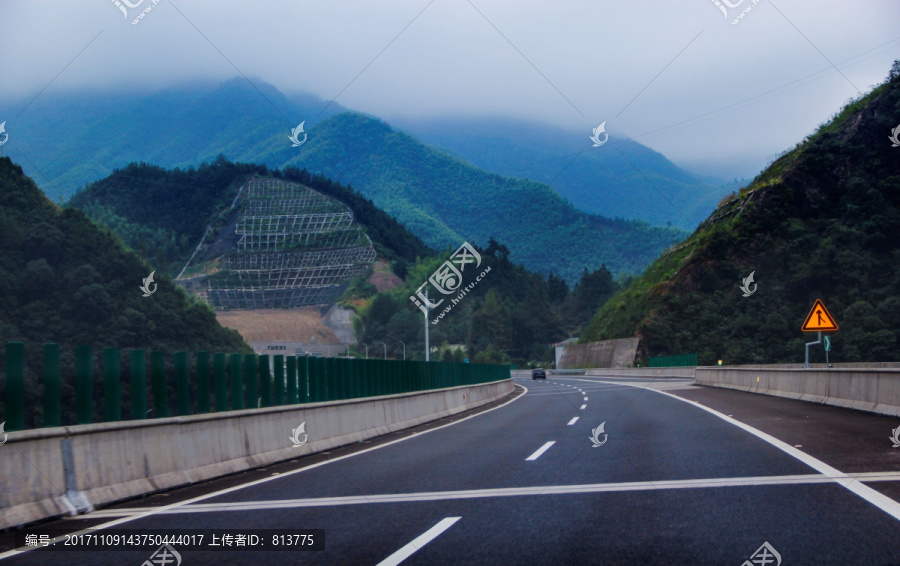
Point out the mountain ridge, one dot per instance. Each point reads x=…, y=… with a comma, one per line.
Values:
x=819, y=223
x=188, y=127
x=623, y=178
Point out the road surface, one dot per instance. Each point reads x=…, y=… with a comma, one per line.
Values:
x=681, y=475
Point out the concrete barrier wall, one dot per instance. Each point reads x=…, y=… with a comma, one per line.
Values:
x=854, y=365
x=63, y=470
x=620, y=372
x=865, y=389
x=643, y=372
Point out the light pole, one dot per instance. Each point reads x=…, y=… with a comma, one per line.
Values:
x=385, y=349
x=428, y=307
x=404, y=349
x=367, y=350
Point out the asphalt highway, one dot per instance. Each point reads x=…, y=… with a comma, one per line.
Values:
x=678, y=475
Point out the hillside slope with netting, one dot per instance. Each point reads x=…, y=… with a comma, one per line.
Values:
x=279, y=245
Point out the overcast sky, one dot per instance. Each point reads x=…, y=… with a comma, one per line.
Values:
x=649, y=69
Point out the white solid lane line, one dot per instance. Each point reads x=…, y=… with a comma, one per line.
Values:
x=418, y=542
x=876, y=498
x=178, y=504
x=583, y=406
x=573, y=421
x=540, y=451
x=267, y=505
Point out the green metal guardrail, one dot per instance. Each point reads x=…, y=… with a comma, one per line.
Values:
x=674, y=361
x=239, y=381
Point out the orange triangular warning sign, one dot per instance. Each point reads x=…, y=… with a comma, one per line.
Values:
x=819, y=319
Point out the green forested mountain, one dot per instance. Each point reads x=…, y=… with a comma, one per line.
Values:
x=64, y=280
x=445, y=201
x=599, y=180
x=163, y=213
x=76, y=138
x=822, y=222
x=442, y=199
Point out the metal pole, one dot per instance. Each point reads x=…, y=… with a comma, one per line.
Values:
x=404, y=349
x=367, y=350
x=808, y=344
x=427, y=302
x=53, y=386
x=385, y=349
x=306, y=365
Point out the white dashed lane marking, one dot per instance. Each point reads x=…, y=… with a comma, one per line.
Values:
x=419, y=542
x=540, y=451
x=573, y=421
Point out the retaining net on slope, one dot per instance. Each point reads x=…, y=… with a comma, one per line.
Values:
x=294, y=247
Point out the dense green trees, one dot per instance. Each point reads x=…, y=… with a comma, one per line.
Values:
x=64, y=280
x=508, y=317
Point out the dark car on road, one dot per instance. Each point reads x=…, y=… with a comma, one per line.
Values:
x=538, y=373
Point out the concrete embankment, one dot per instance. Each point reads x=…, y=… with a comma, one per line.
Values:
x=876, y=390
x=63, y=470
x=615, y=372
x=872, y=387
x=643, y=372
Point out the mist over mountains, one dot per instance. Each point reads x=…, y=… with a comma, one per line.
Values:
x=443, y=199
x=194, y=123
x=621, y=179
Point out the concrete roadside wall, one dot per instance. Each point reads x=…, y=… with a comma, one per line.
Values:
x=865, y=389
x=643, y=372
x=63, y=470
x=853, y=365
x=684, y=372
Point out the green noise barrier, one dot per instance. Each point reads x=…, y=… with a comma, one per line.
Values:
x=249, y=380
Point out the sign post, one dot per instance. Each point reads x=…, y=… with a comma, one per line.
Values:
x=817, y=320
